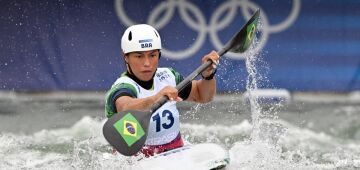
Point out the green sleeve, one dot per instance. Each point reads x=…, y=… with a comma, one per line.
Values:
x=110, y=108
x=178, y=77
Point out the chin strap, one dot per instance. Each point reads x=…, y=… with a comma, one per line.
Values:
x=128, y=66
x=129, y=70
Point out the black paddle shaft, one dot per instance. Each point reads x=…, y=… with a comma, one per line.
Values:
x=186, y=81
x=237, y=44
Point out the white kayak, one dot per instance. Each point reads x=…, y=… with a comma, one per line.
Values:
x=200, y=157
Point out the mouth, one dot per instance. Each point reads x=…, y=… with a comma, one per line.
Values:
x=146, y=72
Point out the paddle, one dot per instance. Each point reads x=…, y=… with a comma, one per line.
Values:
x=127, y=131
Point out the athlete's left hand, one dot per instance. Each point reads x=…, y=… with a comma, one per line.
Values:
x=214, y=57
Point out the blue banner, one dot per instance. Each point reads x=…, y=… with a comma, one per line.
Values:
x=75, y=44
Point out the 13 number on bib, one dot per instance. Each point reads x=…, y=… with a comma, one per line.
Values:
x=166, y=125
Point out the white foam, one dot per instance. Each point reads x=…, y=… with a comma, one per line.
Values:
x=257, y=155
x=85, y=128
x=85, y=148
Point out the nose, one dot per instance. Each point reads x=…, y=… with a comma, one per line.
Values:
x=146, y=61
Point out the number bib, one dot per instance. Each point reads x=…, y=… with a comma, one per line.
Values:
x=164, y=123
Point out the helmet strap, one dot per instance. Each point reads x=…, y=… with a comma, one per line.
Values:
x=128, y=66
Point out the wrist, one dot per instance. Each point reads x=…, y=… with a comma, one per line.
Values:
x=211, y=76
x=156, y=98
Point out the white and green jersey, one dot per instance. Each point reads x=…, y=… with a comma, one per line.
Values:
x=164, y=123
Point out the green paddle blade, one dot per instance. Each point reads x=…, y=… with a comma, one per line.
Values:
x=126, y=131
x=243, y=39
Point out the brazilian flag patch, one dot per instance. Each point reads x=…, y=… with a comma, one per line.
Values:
x=129, y=129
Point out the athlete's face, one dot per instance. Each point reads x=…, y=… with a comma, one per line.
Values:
x=143, y=63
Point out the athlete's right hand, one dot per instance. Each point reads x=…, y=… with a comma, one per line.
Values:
x=170, y=92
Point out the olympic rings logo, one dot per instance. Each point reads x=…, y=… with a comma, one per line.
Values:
x=167, y=8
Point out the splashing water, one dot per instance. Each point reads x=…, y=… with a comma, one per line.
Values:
x=261, y=119
x=261, y=150
x=270, y=144
x=83, y=146
x=251, y=85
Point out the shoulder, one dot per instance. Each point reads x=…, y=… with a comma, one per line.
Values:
x=123, y=79
x=122, y=86
x=168, y=71
x=124, y=82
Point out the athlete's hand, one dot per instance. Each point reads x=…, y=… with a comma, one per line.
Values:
x=171, y=93
x=214, y=57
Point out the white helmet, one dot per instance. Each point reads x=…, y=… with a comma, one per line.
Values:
x=140, y=37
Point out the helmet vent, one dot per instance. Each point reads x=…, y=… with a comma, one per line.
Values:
x=130, y=36
x=156, y=34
